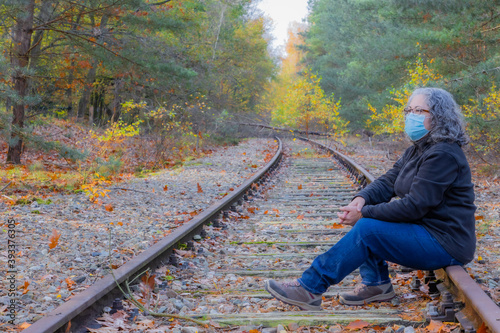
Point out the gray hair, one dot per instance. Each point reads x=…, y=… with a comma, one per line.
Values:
x=447, y=120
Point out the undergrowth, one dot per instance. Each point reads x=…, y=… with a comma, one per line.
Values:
x=75, y=156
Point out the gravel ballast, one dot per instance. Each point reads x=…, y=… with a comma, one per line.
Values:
x=136, y=214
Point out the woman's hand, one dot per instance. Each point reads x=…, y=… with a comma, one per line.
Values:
x=351, y=213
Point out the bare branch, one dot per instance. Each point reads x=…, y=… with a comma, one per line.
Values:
x=3, y=188
x=485, y=71
x=94, y=43
x=158, y=3
x=57, y=19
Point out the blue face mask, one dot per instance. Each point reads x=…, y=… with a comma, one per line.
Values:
x=414, y=126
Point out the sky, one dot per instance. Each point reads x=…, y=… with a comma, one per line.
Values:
x=283, y=12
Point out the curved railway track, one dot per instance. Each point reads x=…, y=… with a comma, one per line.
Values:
x=270, y=230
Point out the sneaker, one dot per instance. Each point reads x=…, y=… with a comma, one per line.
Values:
x=291, y=292
x=364, y=294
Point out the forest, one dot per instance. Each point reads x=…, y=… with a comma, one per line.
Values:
x=368, y=56
x=84, y=79
x=172, y=68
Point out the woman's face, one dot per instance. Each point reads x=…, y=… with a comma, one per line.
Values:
x=418, y=102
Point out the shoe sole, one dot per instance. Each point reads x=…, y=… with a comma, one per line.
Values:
x=302, y=305
x=377, y=298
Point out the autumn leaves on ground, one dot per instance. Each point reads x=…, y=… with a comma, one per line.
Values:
x=47, y=172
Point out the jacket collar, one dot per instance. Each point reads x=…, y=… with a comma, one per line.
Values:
x=423, y=143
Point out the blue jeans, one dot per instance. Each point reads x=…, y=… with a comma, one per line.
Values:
x=367, y=245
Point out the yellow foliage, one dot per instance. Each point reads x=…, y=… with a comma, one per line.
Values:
x=303, y=104
x=390, y=119
x=118, y=131
x=298, y=101
x=92, y=189
x=484, y=116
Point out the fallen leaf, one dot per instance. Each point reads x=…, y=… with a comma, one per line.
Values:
x=24, y=325
x=300, y=217
x=357, y=325
x=299, y=187
x=54, y=239
x=165, y=188
x=68, y=328
x=25, y=287
x=147, y=284
x=70, y=283
x=184, y=253
x=335, y=226
x=482, y=328
x=199, y=188
x=434, y=326
x=109, y=207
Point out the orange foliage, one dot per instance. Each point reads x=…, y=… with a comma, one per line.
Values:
x=357, y=325
x=54, y=239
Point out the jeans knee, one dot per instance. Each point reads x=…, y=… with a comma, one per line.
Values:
x=366, y=227
x=363, y=222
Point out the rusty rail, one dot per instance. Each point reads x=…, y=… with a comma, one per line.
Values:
x=75, y=313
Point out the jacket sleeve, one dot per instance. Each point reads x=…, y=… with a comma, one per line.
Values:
x=382, y=189
x=436, y=173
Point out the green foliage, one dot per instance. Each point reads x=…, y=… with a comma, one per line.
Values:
x=86, y=58
x=29, y=201
x=107, y=167
x=361, y=48
x=64, y=151
x=483, y=114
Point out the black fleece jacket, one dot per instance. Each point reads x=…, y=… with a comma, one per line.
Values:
x=433, y=182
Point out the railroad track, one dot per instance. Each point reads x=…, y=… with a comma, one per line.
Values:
x=270, y=229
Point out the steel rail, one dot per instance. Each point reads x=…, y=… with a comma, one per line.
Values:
x=478, y=308
x=360, y=174
x=74, y=314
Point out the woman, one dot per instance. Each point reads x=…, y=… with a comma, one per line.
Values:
x=430, y=226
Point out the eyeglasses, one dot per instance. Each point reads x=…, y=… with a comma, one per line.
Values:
x=407, y=110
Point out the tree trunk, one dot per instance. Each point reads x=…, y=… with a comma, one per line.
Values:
x=116, y=106
x=69, y=93
x=21, y=41
x=85, y=99
x=91, y=116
